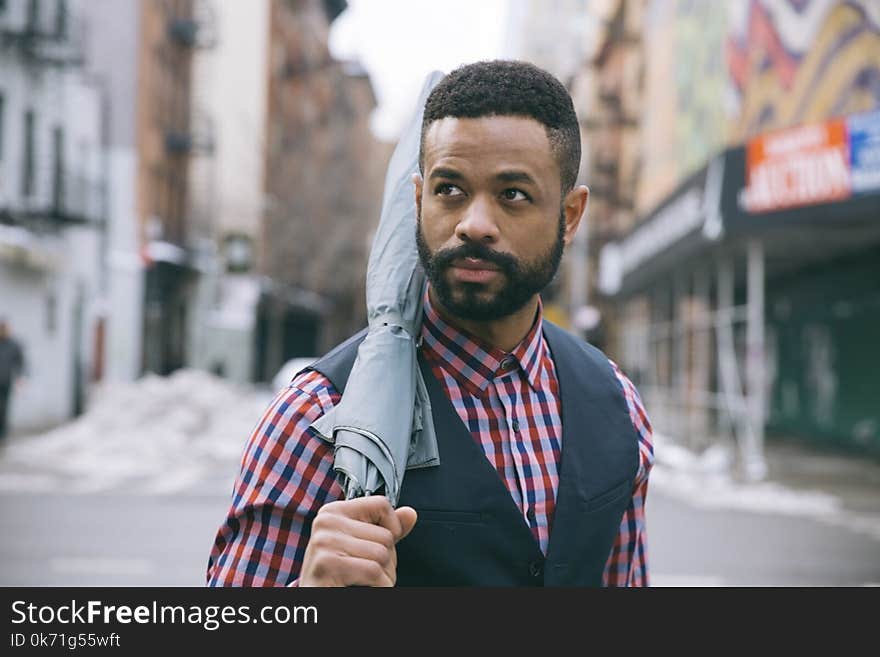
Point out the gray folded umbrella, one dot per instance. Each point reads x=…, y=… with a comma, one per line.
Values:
x=383, y=423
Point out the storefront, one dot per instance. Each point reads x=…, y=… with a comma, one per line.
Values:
x=170, y=279
x=749, y=296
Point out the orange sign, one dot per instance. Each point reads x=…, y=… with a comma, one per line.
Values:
x=800, y=166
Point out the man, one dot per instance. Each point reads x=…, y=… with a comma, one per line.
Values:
x=544, y=446
x=11, y=369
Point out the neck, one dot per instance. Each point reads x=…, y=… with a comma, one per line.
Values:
x=504, y=333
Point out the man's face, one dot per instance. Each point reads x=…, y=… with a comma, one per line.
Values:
x=492, y=225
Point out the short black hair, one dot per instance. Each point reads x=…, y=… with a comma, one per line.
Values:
x=510, y=88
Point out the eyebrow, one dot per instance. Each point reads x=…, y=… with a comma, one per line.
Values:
x=516, y=176
x=449, y=174
x=504, y=176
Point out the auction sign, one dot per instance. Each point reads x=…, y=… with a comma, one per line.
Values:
x=812, y=164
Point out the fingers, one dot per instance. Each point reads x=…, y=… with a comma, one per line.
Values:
x=375, y=510
x=407, y=517
x=330, y=569
x=370, y=520
x=331, y=530
x=353, y=543
x=353, y=559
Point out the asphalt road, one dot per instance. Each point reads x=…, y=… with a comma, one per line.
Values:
x=699, y=547
x=119, y=539
x=107, y=539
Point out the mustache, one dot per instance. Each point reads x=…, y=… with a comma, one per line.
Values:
x=505, y=262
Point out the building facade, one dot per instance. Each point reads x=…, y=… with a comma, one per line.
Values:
x=742, y=287
x=171, y=133
x=52, y=208
x=323, y=182
x=226, y=189
x=142, y=52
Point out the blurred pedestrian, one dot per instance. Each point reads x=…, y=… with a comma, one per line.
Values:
x=544, y=445
x=11, y=371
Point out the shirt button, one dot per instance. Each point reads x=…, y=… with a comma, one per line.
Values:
x=536, y=569
x=515, y=424
x=530, y=514
x=507, y=364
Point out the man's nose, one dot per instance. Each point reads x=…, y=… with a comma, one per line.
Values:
x=478, y=223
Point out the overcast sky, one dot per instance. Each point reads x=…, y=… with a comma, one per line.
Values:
x=400, y=41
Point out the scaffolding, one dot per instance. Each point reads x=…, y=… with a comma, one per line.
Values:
x=696, y=346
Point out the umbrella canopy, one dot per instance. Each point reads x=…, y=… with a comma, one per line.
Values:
x=383, y=423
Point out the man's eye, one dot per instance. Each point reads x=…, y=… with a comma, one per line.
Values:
x=514, y=194
x=445, y=189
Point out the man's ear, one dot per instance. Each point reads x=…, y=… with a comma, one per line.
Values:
x=417, y=188
x=573, y=205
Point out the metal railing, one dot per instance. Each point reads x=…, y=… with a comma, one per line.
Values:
x=702, y=373
x=77, y=199
x=195, y=139
x=56, y=42
x=198, y=30
x=61, y=198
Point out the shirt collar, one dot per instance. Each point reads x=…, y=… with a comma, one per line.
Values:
x=472, y=362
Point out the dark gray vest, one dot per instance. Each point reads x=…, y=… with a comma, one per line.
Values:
x=470, y=532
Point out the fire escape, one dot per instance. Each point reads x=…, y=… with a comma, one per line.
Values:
x=186, y=130
x=53, y=194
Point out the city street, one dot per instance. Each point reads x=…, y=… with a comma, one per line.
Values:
x=198, y=198
x=107, y=540
x=119, y=539
x=135, y=499
x=698, y=547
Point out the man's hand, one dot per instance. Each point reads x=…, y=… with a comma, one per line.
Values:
x=353, y=543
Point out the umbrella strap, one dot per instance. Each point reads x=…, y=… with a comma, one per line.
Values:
x=394, y=319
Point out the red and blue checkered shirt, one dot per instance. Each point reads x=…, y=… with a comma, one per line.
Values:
x=509, y=401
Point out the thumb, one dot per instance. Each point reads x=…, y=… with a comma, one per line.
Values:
x=407, y=516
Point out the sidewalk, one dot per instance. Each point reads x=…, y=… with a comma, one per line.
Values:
x=837, y=489
x=854, y=480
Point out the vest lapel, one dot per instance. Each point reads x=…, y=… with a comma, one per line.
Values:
x=480, y=483
x=597, y=460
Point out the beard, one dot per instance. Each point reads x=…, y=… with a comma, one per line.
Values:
x=471, y=301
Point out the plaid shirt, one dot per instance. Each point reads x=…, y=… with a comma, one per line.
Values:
x=509, y=401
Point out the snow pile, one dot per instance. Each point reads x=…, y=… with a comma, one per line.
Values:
x=158, y=434
x=706, y=481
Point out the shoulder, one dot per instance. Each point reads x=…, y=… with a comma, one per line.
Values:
x=317, y=388
x=309, y=393
x=317, y=383
x=286, y=421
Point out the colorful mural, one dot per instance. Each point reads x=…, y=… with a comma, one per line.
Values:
x=718, y=76
x=683, y=120
x=792, y=62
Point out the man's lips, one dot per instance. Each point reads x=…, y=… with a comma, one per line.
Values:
x=474, y=270
x=475, y=264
